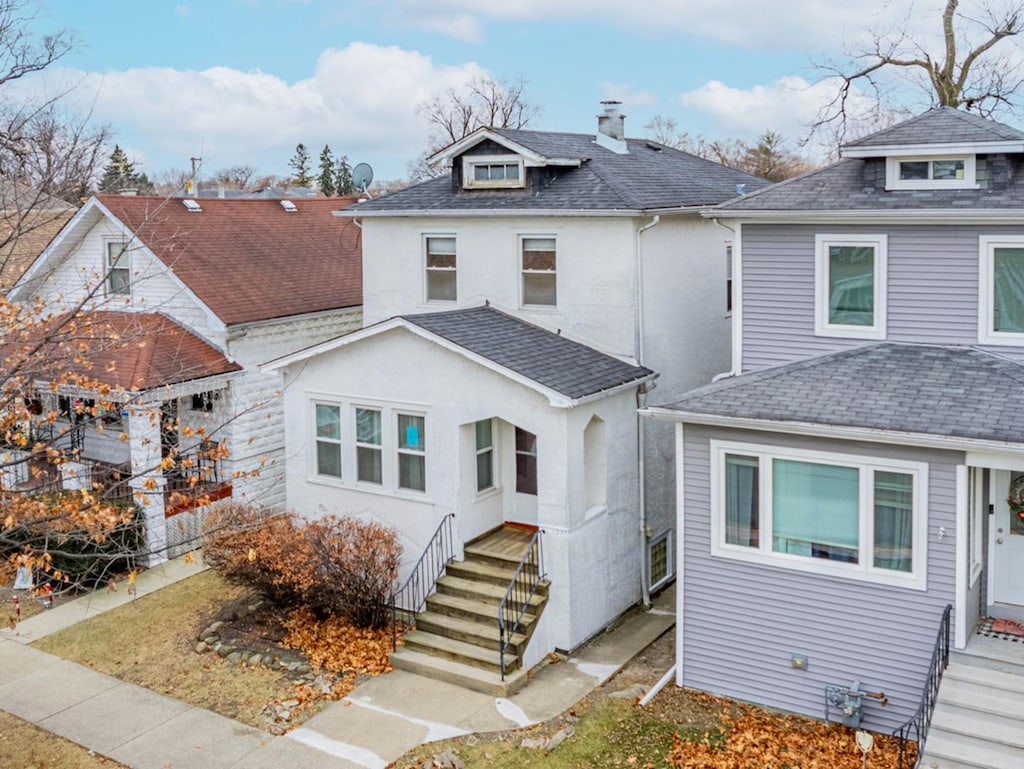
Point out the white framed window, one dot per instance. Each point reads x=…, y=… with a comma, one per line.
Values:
x=526, y=462
x=659, y=563
x=441, y=273
x=484, y=435
x=118, y=279
x=492, y=171
x=538, y=266
x=728, y=278
x=369, y=446
x=328, y=439
x=412, y=452
x=931, y=172
x=850, y=286
x=822, y=512
x=1001, y=289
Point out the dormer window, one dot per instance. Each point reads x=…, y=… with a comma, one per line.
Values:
x=931, y=173
x=492, y=171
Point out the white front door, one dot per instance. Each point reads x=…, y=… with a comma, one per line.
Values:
x=1006, y=539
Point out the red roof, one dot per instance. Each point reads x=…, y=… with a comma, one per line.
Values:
x=125, y=350
x=249, y=259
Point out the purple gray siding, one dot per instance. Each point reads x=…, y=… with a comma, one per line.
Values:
x=932, y=289
x=743, y=621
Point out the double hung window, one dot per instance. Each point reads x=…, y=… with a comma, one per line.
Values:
x=118, y=269
x=526, y=462
x=538, y=260
x=484, y=455
x=1001, y=303
x=328, y=439
x=850, y=292
x=813, y=511
x=442, y=283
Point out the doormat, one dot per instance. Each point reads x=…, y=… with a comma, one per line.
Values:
x=1005, y=629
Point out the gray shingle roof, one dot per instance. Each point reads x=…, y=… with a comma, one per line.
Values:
x=941, y=125
x=948, y=391
x=649, y=176
x=567, y=367
x=843, y=186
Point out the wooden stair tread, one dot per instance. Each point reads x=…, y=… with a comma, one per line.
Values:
x=467, y=676
x=419, y=638
x=488, y=630
x=477, y=608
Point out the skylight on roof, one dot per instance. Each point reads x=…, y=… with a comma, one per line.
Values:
x=288, y=206
x=192, y=205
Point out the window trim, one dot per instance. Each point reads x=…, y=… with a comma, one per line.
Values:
x=987, y=245
x=469, y=163
x=763, y=554
x=427, y=269
x=822, y=326
x=522, y=272
x=108, y=267
x=893, y=181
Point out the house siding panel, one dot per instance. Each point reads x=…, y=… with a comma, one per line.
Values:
x=932, y=289
x=742, y=624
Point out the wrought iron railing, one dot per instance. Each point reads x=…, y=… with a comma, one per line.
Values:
x=916, y=729
x=412, y=596
x=195, y=470
x=524, y=585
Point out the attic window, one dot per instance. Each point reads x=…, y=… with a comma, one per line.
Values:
x=192, y=205
x=492, y=171
x=931, y=173
x=288, y=206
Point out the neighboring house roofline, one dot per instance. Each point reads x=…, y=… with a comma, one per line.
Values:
x=499, y=213
x=531, y=158
x=555, y=398
x=58, y=239
x=925, y=150
x=895, y=437
x=872, y=216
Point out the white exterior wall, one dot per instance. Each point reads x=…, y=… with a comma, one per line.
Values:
x=256, y=432
x=583, y=559
x=594, y=272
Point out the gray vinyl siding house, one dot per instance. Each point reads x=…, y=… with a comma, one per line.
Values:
x=837, y=488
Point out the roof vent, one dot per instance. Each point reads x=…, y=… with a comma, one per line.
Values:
x=192, y=206
x=288, y=206
x=741, y=189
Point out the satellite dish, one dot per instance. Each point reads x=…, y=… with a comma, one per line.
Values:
x=362, y=175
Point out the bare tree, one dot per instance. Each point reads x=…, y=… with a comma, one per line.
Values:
x=455, y=113
x=969, y=69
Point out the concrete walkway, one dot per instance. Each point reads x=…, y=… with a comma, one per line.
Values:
x=377, y=723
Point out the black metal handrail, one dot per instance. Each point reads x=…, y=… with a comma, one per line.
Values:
x=412, y=596
x=525, y=582
x=922, y=718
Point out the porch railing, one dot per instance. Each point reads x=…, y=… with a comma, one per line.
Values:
x=412, y=596
x=916, y=729
x=524, y=585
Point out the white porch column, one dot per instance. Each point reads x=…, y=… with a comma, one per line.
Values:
x=147, y=481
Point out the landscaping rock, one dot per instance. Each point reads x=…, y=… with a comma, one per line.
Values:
x=234, y=658
x=202, y=648
x=560, y=736
x=630, y=692
x=534, y=743
x=448, y=760
x=303, y=668
x=290, y=704
x=225, y=650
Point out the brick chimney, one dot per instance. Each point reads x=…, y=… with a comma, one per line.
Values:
x=611, y=128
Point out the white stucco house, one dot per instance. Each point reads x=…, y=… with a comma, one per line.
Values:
x=177, y=302
x=517, y=310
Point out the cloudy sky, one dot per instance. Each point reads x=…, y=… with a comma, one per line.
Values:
x=243, y=81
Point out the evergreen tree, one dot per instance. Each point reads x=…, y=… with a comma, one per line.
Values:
x=326, y=179
x=120, y=174
x=343, y=184
x=300, y=166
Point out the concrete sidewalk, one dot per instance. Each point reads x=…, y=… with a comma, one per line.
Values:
x=377, y=723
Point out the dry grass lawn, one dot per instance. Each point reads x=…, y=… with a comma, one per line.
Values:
x=25, y=746
x=150, y=642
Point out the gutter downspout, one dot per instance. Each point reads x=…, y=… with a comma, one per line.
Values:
x=735, y=282
x=641, y=402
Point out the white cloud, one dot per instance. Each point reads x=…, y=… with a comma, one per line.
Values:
x=184, y=9
x=756, y=23
x=360, y=100
x=787, y=106
x=627, y=94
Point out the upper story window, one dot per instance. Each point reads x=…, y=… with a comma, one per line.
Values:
x=850, y=277
x=118, y=269
x=822, y=512
x=441, y=273
x=1001, y=281
x=940, y=172
x=537, y=257
x=492, y=171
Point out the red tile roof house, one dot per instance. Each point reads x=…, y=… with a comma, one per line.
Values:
x=196, y=294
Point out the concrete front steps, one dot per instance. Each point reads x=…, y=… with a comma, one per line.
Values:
x=979, y=718
x=456, y=637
